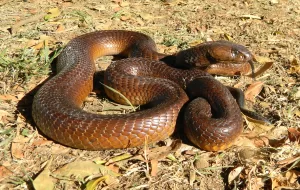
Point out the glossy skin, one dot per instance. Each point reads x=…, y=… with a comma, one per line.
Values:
x=57, y=105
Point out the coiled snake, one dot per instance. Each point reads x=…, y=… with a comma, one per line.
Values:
x=212, y=121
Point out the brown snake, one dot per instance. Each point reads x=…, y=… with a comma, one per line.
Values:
x=212, y=121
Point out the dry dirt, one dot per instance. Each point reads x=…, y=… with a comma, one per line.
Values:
x=265, y=157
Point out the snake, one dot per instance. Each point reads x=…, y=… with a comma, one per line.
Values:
x=212, y=116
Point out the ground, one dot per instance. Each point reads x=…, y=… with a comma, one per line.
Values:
x=264, y=157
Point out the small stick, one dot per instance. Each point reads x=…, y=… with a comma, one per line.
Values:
x=33, y=18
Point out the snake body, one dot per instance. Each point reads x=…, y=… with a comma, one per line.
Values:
x=212, y=121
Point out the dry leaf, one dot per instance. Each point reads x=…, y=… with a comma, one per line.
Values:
x=201, y=163
x=244, y=142
x=292, y=176
x=4, y=172
x=52, y=13
x=192, y=176
x=261, y=141
x=288, y=161
x=17, y=150
x=253, y=90
x=8, y=97
x=3, y=114
x=113, y=168
x=92, y=184
x=60, y=28
x=154, y=167
x=247, y=153
x=161, y=152
x=119, y=158
x=294, y=134
x=261, y=59
x=41, y=142
x=43, y=181
x=18, y=145
x=59, y=149
x=79, y=169
x=145, y=16
x=234, y=174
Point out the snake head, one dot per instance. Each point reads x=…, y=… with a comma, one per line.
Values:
x=225, y=52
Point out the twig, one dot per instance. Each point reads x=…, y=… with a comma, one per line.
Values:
x=33, y=18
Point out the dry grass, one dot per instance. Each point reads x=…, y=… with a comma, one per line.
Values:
x=265, y=157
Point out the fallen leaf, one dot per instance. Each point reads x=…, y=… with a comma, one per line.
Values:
x=145, y=16
x=114, y=168
x=154, y=167
x=60, y=28
x=202, y=162
x=82, y=169
x=8, y=97
x=261, y=141
x=247, y=153
x=52, y=13
x=43, y=181
x=124, y=3
x=292, y=176
x=4, y=173
x=234, y=174
x=161, y=152
x=294, y=134
x=288, y=161
x=119, y=158
x=192, y=176
x=41, y=142
x=17, y=150
x=244, y=142
x=92, y=184
x=59, y=149
x=18, y=145
x=253, y=90
x=3, y=114
x=262, y=59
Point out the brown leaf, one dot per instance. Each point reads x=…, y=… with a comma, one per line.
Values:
x=154, y=167
x=59, y=149
x=18, y=145
x=201, y=163
x=60, y=28
x=8, y=97
x=292, y=176
x=114, y=168
x=253, y=90
x=248, y=153
x=4, y=172
x=261, y=141
x=17, y=150
x=244, y=142
x=294, y=134
x=161, y=152
x=41, y=142
x=287, y=161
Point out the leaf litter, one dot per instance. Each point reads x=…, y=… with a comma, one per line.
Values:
x=264, y=157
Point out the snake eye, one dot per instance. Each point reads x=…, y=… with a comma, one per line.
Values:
x=237, y=55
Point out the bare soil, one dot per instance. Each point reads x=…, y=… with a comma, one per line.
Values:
x=264, y=157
